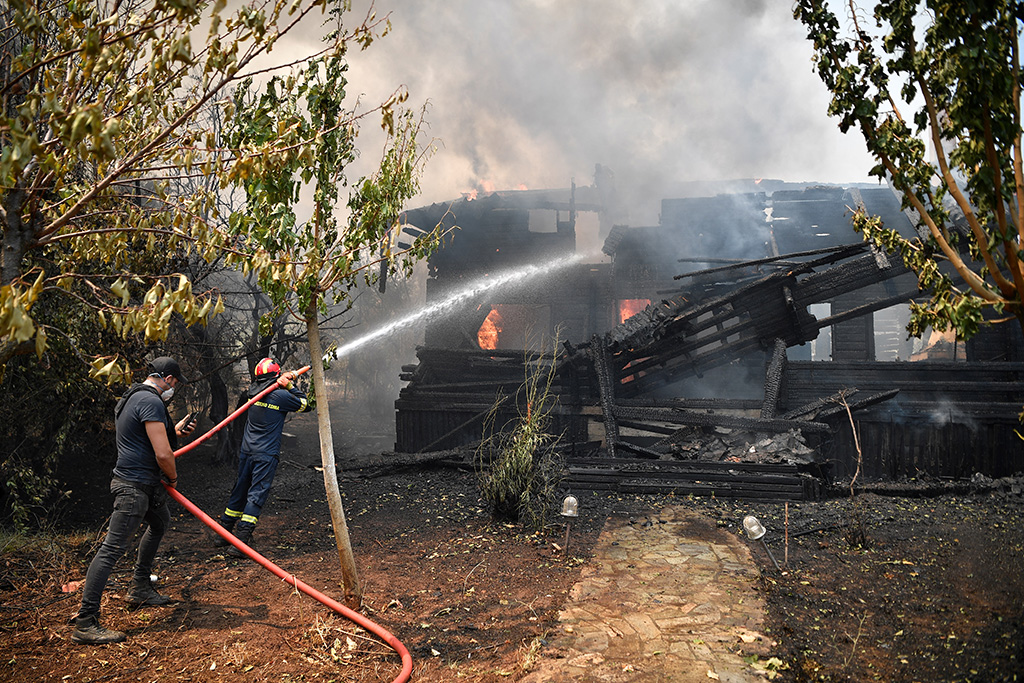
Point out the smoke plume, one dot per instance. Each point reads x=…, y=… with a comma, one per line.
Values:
x=535, y=93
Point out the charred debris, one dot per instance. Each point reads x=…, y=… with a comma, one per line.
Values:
x=726, y=351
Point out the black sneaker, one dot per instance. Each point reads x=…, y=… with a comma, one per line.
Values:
x=89, y=632
x=143, y=594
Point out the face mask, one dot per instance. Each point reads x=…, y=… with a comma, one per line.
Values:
x=166, y=394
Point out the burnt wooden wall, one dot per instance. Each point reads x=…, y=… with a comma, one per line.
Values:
x=950, y=419
x=451, y=391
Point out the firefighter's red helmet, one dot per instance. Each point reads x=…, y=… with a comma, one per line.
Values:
x=267, y=366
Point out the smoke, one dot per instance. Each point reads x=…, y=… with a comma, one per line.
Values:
x=535, y=93
x=945, y=412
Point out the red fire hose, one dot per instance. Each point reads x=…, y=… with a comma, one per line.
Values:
x=299, y=585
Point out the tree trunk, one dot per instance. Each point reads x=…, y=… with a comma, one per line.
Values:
x=350, y=577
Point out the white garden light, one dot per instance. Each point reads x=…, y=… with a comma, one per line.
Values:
x=755, y=530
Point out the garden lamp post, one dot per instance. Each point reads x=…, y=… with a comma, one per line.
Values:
x=570, y=509
x=754, y=532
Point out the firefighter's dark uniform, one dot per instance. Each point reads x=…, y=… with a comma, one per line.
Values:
x=258, y=458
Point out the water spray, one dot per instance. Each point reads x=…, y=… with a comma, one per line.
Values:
x=484, y=284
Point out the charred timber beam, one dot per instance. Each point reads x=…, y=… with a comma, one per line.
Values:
x=647, y=427
x=637, y=465
x=867, y=308
x=677, y=436
x=865, y=402
x=844, y=278
x=698, y=403
x=599, y=355
x=710, y=420
x=837, y=253
x=773, y=381
x=638, y=450
x=736, y=475
x=811, y=409
x=769, y=494
x=767, y=488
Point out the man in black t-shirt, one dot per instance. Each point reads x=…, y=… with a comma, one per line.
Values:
x=145, y=460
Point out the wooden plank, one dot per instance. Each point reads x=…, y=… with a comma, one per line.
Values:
x=687, y=464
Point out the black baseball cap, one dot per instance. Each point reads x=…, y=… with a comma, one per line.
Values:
x=165, y=365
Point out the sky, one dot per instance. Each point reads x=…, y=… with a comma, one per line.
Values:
x=532, y=94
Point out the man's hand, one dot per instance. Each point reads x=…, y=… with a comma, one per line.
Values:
x=285, y=380
x=186, y=426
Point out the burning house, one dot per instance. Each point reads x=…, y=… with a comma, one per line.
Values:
x=727, y=348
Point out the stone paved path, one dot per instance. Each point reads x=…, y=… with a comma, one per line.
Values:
x=667, y=598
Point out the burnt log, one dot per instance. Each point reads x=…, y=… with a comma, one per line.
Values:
x=773, y=380
x=688, y=417
x=750, y=481
x=599, y=356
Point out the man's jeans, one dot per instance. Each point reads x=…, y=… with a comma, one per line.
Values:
x=133, y=505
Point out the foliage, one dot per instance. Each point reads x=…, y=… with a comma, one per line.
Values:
x=945, y=75
x=518, y=468
x=101, y=113
x=326, y=254
x=302, y=263
x=53, y=414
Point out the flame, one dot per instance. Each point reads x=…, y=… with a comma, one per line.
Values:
x=487, y=335
x=482, y=189
x=630, y=307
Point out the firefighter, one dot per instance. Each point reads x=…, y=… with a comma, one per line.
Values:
x=261, y=447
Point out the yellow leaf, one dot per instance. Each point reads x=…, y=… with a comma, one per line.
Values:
x=21, y=326
x=40, y=342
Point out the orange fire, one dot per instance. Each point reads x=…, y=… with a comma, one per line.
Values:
x=482, y=189
x=630, y=307
x=487, y=335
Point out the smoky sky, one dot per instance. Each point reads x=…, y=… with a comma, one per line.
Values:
x=534, y=93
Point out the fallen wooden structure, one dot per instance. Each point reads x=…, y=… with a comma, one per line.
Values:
x=612, y=382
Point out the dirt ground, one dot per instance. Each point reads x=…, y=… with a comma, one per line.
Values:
x=924, y=586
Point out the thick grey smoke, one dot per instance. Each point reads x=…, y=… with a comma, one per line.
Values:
x=533, y=93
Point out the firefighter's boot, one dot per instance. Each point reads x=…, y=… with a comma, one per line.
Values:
x=229, y=524
x=243, y=532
